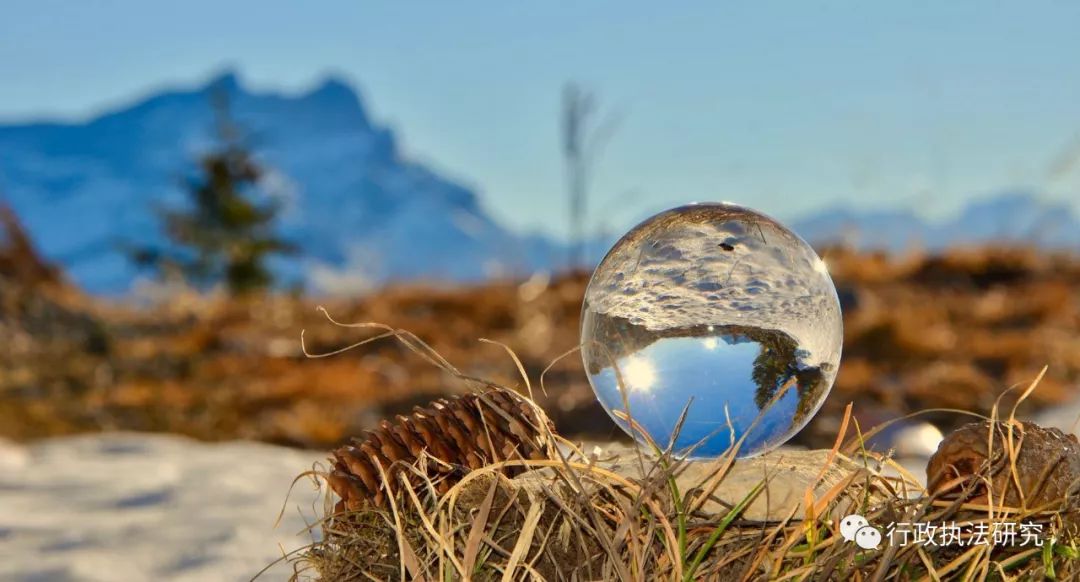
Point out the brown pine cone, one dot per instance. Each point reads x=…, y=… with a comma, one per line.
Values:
x=459, y=434
x=1047, y=465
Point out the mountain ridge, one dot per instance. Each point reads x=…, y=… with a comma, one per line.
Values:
x=362, y=212
x=1010, y=217
x=352, y=200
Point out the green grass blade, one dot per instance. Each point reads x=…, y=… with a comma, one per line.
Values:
x=720, y=528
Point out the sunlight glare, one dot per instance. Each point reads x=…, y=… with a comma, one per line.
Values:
x=640, y=374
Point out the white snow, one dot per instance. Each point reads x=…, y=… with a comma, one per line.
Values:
x=672, y=272
x=130, y=507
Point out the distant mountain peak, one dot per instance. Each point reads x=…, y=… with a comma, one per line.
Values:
x=358, y=210
x=362, y=213
x=333, y=87
x=1015, y=216
x=330, y=91
x=335, y=94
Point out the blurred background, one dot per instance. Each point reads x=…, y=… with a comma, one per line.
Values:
x=181, y=184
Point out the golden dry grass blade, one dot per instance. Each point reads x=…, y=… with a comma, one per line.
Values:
x=931, y=572
x=571, y=517
x=479, y=525
x=857, y=441
x=517, y=362
x=408, y=556
x=425, y=519
x=524, y=541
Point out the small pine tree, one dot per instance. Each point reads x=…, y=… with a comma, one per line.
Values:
x=226, y=231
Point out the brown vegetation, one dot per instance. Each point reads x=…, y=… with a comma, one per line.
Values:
x=952, y=330
x=571, y=516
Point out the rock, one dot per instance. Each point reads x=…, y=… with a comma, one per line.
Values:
x=788, y=473
x=1047, y=465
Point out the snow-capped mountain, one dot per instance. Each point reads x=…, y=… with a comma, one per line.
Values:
x=1004, y=219
x=360, y=212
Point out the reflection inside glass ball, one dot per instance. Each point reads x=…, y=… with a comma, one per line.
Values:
x=711, y=323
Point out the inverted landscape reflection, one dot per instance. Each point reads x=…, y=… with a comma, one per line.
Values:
x=719, y=311
x=709, y=377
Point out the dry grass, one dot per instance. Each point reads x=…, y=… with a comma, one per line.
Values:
x=571, y=517
x=920, y=332
x=577, y=522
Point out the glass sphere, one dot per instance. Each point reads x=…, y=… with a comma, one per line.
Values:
x=709, y=323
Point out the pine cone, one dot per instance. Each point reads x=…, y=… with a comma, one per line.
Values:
x=462, y=433
x=1047, y=464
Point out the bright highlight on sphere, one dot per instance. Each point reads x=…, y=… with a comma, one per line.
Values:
x=719, y=311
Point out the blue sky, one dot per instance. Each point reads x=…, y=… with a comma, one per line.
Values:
x=787, y=107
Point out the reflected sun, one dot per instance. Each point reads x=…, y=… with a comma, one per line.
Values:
x=639, y=373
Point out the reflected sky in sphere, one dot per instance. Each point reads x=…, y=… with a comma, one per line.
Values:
x=720, y=308
x=693, y=365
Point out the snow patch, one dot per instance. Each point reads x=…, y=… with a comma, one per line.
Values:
x=128, y=506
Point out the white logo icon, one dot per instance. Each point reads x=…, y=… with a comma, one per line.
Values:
x=868, y=538
x=851, y=524
x=855, y=528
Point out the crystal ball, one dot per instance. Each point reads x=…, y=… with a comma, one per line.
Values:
x=711, y=324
